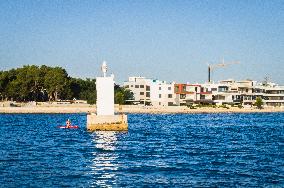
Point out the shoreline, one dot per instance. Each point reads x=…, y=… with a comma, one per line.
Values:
x=132, y=110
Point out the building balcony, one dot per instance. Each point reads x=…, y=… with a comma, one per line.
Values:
x=248, y=100
x=237, y=101
x=206, y=93
x=223, y=101
x=282, y=101
x=245, y=93
x=273, y=95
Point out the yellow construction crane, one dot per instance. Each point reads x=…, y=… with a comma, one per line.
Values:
x=223, y=64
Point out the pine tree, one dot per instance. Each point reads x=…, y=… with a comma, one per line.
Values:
x=258, y=103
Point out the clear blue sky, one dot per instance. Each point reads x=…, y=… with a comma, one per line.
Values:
x=169, y=40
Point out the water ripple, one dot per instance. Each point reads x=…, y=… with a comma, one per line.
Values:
x=181, y=150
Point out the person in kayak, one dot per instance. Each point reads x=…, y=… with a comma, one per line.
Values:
x=68, y=123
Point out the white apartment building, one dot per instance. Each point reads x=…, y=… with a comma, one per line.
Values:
x=151, y=91
x=160, y=93
x=140, y=87
x=229, y=91
x=187, y=93
x=273, y=95
x=245, y=92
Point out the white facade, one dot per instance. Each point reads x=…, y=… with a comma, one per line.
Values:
x=140, y=87
x=245, y=92
x=274, y=96
x=162, y=93
x=151, y=91
x=105, y=95
x=187, y=94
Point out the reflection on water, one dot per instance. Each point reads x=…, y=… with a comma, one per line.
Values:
x=105, y=140
x=104, y=163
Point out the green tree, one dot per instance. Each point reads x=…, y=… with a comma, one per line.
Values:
x=119, y=97
x=76, y=87
x=84, y=89
x=122, y=95
x=5, y=78
x=34, y=83
x=28, y=81
x=57, y=83
x=91, y=97
x=22, y=84
x=128, y=95
x=13, y=86
x=258, y=102
x=13, y=90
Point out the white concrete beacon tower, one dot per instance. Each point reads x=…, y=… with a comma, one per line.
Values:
x=105, y=119
x=105, y=93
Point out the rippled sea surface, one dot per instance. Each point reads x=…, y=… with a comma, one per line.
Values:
x=183, y=150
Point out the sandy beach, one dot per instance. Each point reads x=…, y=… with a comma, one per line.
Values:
x=132, y=109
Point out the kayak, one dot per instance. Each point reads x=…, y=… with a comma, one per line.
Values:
x=70, y=127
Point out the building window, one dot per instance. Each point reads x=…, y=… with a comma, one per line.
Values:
x=183, y=88
x=169, y=88
x=160, y=88
x=160, y=103
x=131, y=85
x=182, y=96
x=147, y=88
x=176, y=89
x=136, y=86
x=141, y=86
x=141, y=93
x=170, y=103
x=127, y=86
x=170, y=96
x=160, y=95
x=222, y=88
x=220, y=97
x=147, y=94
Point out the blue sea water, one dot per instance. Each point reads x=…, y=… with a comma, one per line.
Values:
x=181, y=150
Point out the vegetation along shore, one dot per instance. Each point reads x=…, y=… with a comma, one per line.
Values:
x=43, y=83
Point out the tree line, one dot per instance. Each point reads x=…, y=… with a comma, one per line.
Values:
x=44, y=83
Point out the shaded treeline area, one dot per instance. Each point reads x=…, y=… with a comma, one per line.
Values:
x=43, y=83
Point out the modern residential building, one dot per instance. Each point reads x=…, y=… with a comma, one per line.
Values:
x=160, y=93
x=151, y=91
x=187, y=93
x=245, y=92
x=140, y=86
x=273, y=95
x=229, y=91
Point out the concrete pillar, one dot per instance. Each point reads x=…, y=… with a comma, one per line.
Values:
x=105, y=95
